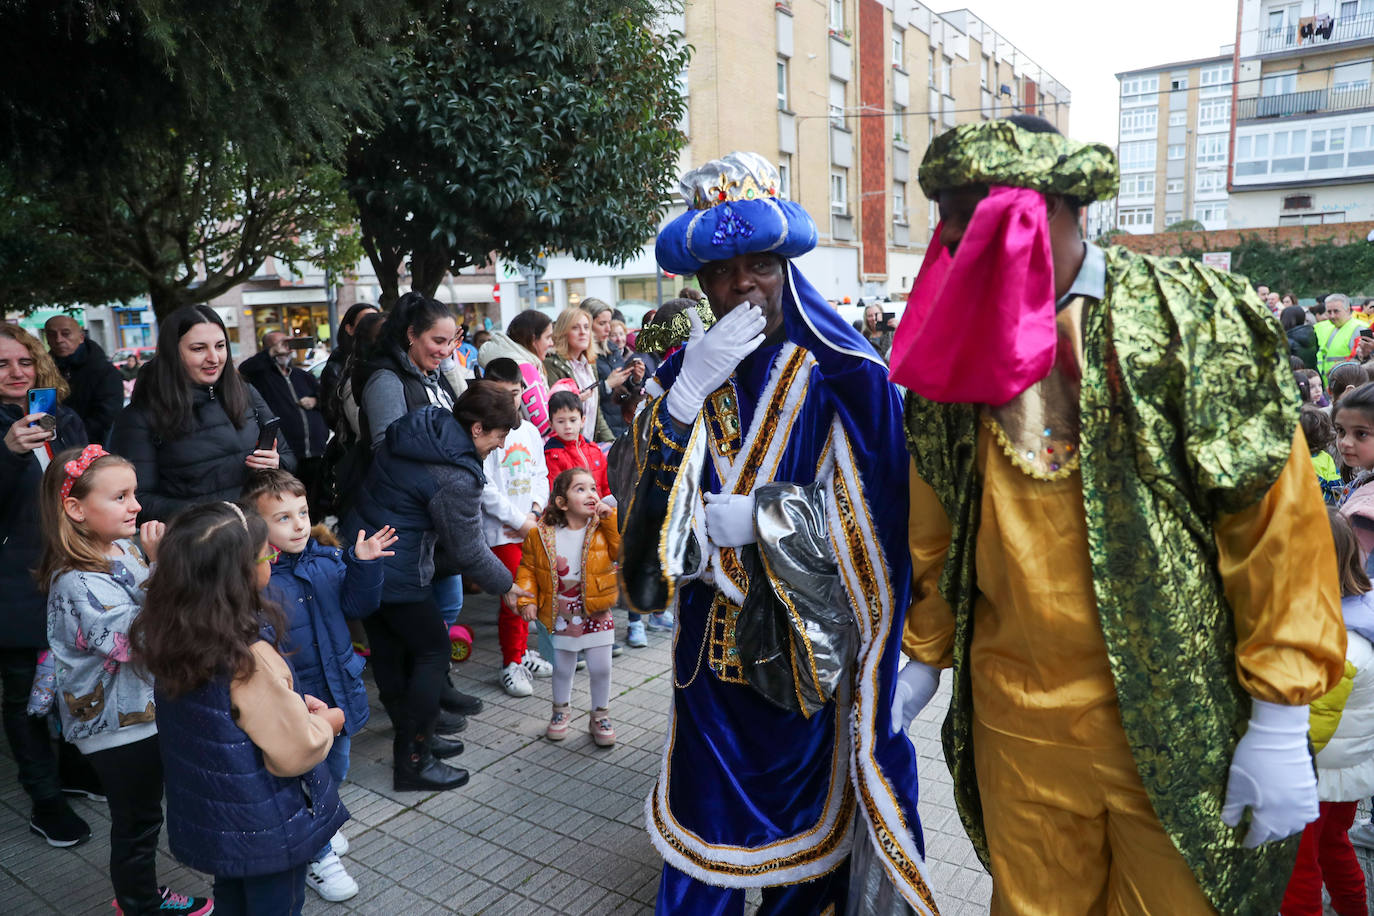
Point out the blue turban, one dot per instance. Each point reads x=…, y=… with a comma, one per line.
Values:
x=733, y=208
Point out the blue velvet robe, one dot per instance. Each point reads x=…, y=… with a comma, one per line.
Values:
x=751, y=794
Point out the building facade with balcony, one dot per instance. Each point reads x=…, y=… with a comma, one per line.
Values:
x=859, y=89
x=1303, y=139
x=1173, y=144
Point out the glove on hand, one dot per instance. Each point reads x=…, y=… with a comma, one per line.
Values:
x=916, y=684
x=730, y=519
x=711, y=356
x=1271, y=773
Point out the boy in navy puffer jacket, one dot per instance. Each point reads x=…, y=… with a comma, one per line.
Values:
x=320, y=588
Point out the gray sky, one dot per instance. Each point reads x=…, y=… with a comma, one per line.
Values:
x=1083, y=44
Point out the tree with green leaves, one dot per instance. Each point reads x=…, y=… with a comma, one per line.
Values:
x=520, y=127
x=181, y=144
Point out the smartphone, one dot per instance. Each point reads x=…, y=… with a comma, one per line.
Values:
x=42, y=400
x=1366, y=332
x=888, y=316
x=267, y=434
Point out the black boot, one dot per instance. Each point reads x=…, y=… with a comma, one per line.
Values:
x=450, y=723
x=454, y=700
x=416, y=768
x=445, y=747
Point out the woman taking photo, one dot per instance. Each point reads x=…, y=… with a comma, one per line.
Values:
x=574, y=357
x=426, y=481
x=191, y=430
x=30, y=442
x=401, y=371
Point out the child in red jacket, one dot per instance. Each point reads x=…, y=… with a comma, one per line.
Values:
x=567, y=448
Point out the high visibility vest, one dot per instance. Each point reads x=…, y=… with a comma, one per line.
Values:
x=1334, y=344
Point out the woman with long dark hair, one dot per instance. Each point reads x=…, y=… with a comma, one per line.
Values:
x=401, y=371
x=192, y=427
x=335, y=368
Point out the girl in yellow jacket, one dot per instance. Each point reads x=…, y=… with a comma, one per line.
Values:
x=568, y=564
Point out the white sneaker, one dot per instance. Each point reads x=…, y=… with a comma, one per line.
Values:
x=536, y=664
x=634, y=635
x=1363, y=836
x=660, y=621
x=339, y=844
x=330, y=879
x=515, y=680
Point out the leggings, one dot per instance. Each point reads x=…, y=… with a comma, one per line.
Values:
x=598, y=672
x=409, y=661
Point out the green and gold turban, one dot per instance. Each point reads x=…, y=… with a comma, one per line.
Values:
x=1002, y=153
x=660, y=337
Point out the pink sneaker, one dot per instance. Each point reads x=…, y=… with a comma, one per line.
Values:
x=558, y=722
x=603, y=733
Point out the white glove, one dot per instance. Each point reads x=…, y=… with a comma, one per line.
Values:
x=1271, y=773
x=916, y=684
x=711, y=356
x=730, y=519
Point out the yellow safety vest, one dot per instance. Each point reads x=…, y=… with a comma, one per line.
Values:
x=1334, y=344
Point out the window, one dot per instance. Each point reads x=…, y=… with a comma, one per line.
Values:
x=1211, y=149
x=1252, y=155
x=1171, y=217
x=1214, y=212
x=1143, y=218
x=1141, y=90
x=1176, y=151
x=1214, y=113
x=899, y=202
x=1215, y=80
x=1361, y=147
x=932, y=218
x=1289, y=151
x=1208, y=182
x=898, y=123
x=930, y=133
x=898, y=48
x=1279, y=83
x=1138, y=156
x=782, y=84
x=1137, y=185
x=837, y=15
x=1178, y=83
x=1327, y=149
x=1139, y=122
x=1173, y=186
x=945, y=64
x=785, y=177
x=987, y=72
x=839, y=191
x=1178, y=118
x=1350, y=77
x=837, y=102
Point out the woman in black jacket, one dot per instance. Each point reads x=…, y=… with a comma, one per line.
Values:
x=1302, y=340
x=29, y=447
x=191, y=430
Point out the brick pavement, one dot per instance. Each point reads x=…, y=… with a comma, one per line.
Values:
x=541, y=828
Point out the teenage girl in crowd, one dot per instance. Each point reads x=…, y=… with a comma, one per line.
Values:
x=249, y=799
x=94, y=573
x=568, y=564
x=1353, y=418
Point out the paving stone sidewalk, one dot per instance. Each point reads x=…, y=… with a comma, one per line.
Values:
x=541, y=828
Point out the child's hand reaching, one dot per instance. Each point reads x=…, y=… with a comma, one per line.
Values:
x=150, y=535
x=332, y=715
x=604, y=509
x=376, y=546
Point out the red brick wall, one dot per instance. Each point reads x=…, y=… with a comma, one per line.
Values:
x=872, y=56
x=1166, y=243
x=1030, y=96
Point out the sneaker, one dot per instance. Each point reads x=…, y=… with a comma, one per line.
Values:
x=339, y=843
x=172, y=902
x=91, y=793
x=603, y=733
x=663, y=620
x=1363, y=835
x=558, y=723
x=536, y=664
x=330, y=879
x=515, y=680
x=616, y=650
x=55, y=821
x=634, y=635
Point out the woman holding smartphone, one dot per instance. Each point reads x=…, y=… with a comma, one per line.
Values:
x=192, y=429
x=30, y=442
x=574, y=356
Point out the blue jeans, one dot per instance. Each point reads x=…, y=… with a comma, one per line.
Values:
x=280, y=894
x=448, y=594
x=337, y=764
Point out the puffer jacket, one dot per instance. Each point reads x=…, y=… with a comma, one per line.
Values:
x=202, y=466
x=320, y=589
x=23, y=613
x=1345, y=767
x=600, y=551
x=534, y=399
x=560, y=456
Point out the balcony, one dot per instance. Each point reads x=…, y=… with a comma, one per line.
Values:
x=1346, y=28
x=1292, y=104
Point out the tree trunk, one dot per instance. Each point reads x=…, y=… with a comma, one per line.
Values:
x=427, y=269
x=165, y=299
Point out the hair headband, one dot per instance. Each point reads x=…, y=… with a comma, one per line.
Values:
x=80, y=465
x=239, y=512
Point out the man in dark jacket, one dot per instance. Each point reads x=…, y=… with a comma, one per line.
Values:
x=97, y=385
x=293, y=395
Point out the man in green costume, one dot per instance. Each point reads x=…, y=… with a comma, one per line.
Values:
x=1117, y=544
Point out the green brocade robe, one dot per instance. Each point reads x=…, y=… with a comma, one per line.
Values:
x=1187, y=412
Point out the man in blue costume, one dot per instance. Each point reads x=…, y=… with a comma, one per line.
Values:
x=770, y=490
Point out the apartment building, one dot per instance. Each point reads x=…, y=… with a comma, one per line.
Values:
x=1173, y=144
x=845, y=95
x=1303, y=138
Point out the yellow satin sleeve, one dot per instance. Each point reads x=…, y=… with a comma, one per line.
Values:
x=1278, y=568
x=929, y=633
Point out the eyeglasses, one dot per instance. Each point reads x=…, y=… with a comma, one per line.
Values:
x=270, y=556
